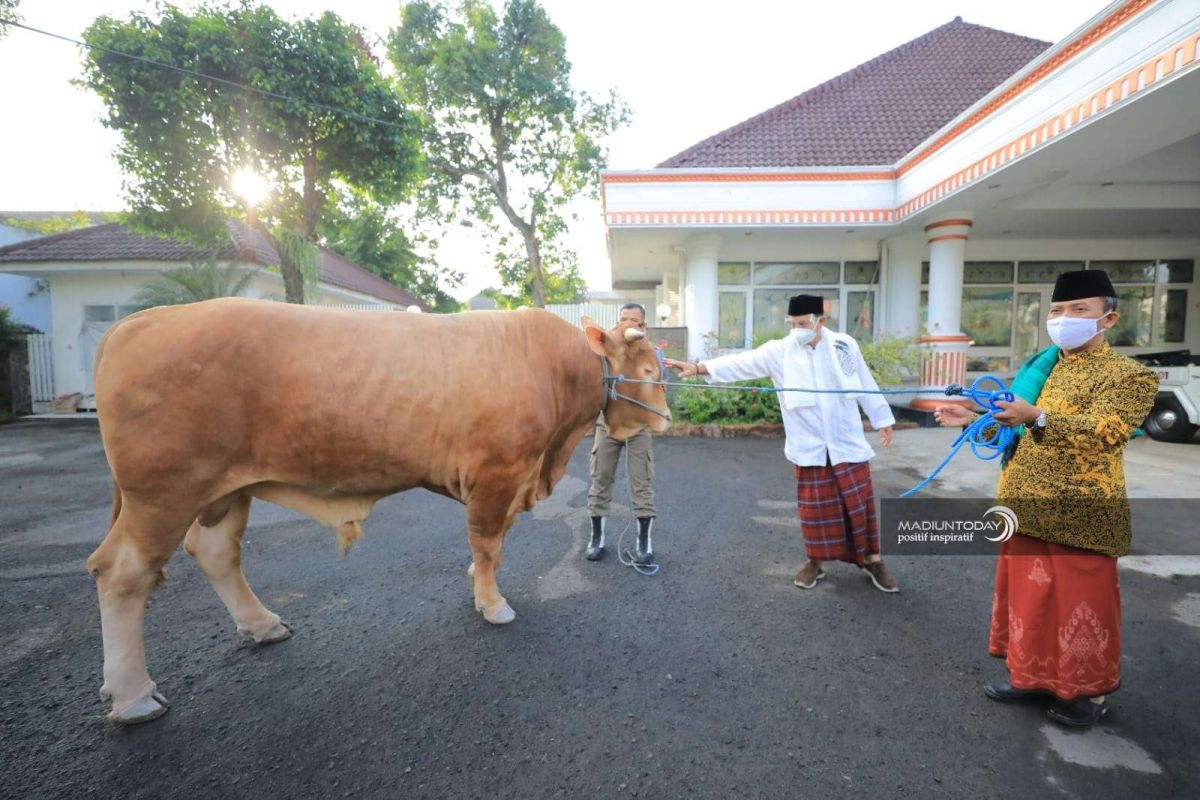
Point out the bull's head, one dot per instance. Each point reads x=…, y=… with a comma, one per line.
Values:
x=635, y=406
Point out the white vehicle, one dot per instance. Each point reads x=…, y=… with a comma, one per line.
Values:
x=1176, y=413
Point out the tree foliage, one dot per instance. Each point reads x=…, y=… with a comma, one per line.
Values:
x=56, y=223
x=8, y=11
x=199, y=280
x=332, y=119
x=503, y=129
x=369, y=234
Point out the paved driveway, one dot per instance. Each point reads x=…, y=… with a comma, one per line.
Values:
x=715, y=679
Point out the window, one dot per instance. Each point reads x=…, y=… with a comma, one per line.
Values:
x=988, y=272
x=1172, y=314
x=1177, y=271
x=802, y=273
x=733, y=274
x=731, y=319
x=987, y=316
x=770, y=310
x=860, y=308
x=1029, y=325
x=1136, y=304
x=1001, y=365
x=1127, y=271
x=862, y=272
x=1045, y=271
x=99, y=313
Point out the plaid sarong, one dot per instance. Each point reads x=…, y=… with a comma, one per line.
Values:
x=836, y=504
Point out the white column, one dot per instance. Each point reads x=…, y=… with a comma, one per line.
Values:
x=700, y=290
x=944, y=342
x=904, y=285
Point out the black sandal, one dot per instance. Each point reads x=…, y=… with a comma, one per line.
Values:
x=1078, y=713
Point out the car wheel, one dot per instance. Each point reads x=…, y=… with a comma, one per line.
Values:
x=1168, y=422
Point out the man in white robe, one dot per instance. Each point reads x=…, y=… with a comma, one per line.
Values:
x=825, y=440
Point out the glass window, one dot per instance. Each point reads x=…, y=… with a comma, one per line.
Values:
x=802, y=273
x=987, y=316
x=860, y=306
x=770, y=310
x=733, y=273
x=925, y=273
x=862, y=271
x=99, y=314
x=1172, y=315
x=731, y=319
x=987, y=272
x=1045, y=271
x=1136, y=304
x=125, y=311
x=1029, y=325
x=997, y=365
x=1179, y=271
x=1126, y=271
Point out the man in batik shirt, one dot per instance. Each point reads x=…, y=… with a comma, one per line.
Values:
x=1056, y=614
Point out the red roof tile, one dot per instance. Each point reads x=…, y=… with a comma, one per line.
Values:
x=876, y=112
x=111, y=242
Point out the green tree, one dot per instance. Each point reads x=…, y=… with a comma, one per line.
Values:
x=503, y=128
x=8, y=11
x=199, y=280
x=56, y=223
x=368, y=234
x=330, y=121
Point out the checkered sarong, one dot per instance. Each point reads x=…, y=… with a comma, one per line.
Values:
x=837, y=512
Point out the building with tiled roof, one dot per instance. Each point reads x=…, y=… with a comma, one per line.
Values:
x=936, y=191
x=89, y=277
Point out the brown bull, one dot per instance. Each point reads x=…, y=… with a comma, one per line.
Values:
x=206, y=406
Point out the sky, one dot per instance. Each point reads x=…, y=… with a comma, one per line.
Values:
x=687, y=69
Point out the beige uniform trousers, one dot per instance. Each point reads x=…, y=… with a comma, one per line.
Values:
x=639, y=465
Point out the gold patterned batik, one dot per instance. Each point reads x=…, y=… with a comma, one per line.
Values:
x=1066, y=482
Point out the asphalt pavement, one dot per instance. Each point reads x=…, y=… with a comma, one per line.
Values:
x=717, y=678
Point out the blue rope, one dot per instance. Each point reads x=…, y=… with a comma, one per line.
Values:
x=985, y=447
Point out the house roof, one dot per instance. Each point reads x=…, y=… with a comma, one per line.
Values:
x=112, y=242
x=877, y=112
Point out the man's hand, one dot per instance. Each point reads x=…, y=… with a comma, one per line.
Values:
x=686, y=368
x=885, y=436
x=952, y=415
x=1018, y=412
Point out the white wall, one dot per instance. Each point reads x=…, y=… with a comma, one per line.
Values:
x=29, y=302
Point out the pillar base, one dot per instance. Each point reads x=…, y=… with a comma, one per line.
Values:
x=945, y=363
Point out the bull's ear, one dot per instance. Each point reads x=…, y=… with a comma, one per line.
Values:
x=598, y=339
x=586, y=322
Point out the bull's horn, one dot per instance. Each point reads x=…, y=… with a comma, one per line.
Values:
x=633, y=334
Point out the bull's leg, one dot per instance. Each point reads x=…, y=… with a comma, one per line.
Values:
x=218, y=551
x=487, y=522
x=127, y=566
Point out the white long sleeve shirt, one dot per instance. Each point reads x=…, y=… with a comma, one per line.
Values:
x=829, y=427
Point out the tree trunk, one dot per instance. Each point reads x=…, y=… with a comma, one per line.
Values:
x=293, y=280
x=536, y=281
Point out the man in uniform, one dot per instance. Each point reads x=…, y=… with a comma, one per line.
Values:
x=1056, y=608
x=639, y=466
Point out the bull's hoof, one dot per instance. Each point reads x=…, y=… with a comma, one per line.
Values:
x=272, y=631
x=471, y=570
x=501, y=614
x=277, y=633
x=145, y=708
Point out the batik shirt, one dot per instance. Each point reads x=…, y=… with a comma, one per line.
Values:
x=1066, y=482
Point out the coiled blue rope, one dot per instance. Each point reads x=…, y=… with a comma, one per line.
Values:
x=985, y=446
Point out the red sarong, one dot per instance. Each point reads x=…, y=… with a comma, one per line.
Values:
x=1056, y=618
x=837, y=512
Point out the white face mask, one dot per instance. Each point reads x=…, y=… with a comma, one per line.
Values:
x=802, y=335
x=1072, y=332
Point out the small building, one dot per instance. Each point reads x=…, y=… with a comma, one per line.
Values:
x=92, y=274
x=937, y=191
